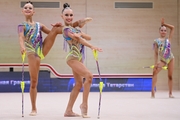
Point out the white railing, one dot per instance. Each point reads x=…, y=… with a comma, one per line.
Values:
x=55, y=73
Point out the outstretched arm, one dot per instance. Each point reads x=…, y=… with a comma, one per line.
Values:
x=171, y=27
x=77, y=37
x=45, y=29
x=85, y=36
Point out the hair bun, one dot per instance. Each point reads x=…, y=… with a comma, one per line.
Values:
x=29, y=2
x=66, y=5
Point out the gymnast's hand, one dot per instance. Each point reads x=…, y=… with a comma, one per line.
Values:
x=156, y=66
x=23, y=50
x=96, y=48
x=57, y=25
x=162, y=21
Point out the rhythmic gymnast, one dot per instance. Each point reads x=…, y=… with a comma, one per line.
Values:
x=31, y=43
x=74, y=39
x=162, y=46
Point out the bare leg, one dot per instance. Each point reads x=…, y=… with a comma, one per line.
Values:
x=74, y=93
x=170, y=79
x=84, y=72
x=49, y=40
x=154, y=79
x=34, y=63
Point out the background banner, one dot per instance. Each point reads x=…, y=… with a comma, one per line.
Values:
x=10, y=82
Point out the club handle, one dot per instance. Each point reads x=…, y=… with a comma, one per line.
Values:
x=152, y=66
x=165, y=67
x=95, y=53
x=23, y=56
x=22, y=86
x=101, y=84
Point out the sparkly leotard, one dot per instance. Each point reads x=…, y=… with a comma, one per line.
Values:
x=76, y=49
x=33, y=38
x=164, y=50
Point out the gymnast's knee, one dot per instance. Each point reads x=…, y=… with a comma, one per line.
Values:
x=89, y=77
x=170, y=77
x=34, y=83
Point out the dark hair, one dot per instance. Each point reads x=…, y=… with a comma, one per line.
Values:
x=65, y=5
x=29, y=2
x=161, y=27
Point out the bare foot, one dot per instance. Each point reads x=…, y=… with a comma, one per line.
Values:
x=84, y=21
x=171, y=96
x=33, y=113
x=71, y=114
x=152, y=95
x=84, y=111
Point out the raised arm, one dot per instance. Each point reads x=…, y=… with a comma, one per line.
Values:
x=44, y=29
x=171, y=27
x=21, y=38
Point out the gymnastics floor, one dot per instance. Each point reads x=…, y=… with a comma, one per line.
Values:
x=114, y=106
